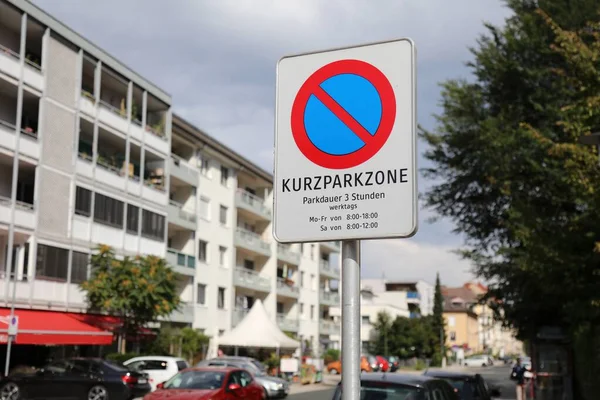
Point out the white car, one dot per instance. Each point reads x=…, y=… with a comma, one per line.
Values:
x=158, y=368
x=477, y=361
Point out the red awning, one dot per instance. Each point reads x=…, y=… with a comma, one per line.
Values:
x=54, y=328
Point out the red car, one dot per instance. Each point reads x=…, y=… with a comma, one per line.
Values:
x=209, y=383
x=384, y=365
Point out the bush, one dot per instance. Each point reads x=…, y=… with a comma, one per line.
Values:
x=420, y=365
x=331, y=355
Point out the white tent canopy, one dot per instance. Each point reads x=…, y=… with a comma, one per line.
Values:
x=257, y=330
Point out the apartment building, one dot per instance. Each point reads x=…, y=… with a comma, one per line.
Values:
x=417, y=296
x=91, y=153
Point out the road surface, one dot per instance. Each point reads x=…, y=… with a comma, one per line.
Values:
x=326, y=394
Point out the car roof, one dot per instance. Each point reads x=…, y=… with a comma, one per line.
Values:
x=436, y=373
x=213, y=368
x=161, y=358
x=401, y=379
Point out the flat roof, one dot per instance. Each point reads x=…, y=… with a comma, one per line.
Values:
x=87, y=46
x=201, y=136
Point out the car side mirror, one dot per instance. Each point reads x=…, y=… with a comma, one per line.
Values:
x=234, y=387
x=160, y=385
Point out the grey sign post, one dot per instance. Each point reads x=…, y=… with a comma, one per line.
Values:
x=345, y=161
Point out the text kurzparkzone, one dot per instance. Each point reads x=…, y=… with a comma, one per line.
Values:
x=341, y=181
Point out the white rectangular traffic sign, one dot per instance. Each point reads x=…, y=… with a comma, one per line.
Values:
x=345, y=144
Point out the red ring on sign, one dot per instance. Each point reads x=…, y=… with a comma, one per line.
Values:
x=388, y=114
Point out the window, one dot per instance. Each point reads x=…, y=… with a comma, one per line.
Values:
x=224, y=175
x=201, y=294
x=204, y=165
x=202, y=250
x=133, y=216
x=52, y=262
x=181, y=365
x=365, y=320
x=301, y=278
x=313, y=282
x=312, y=251
x=148, y=365
x=153, y=225
x=222, y=256
x=223, y=215
x=221, y=298
x=452, y=336
x=79, y=267
x=83, y=201
x=451, y=321
x=108, y=211
x=301, y=249
x=312, y=312
x=221, y=332
x=302, y=310
x=280, y=308
x=205, y=208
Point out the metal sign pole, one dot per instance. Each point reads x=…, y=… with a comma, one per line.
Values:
x=351, y=319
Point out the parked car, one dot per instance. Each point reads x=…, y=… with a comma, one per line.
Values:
x=208, y=383
x=273, y=386
x=384, y=365
x=481, y=360
x=373, y=363
x=260, y=366
x=159, y=368
x=401, y=386
x=335, y=367
x=80, y=378
x=394, y=363
x=468, y=386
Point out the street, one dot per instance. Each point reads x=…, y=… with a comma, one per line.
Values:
x=325, y=394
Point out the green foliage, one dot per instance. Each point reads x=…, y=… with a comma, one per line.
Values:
x=331, y=355
x=383, y=332
x=139, y=289
x=509, y=168
x=272, y=362
x=187, y=342
x=420, y=365
x=437, y=324
x=120, y=358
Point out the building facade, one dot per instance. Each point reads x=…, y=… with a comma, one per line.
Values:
x=91, y=153
x=416, y=295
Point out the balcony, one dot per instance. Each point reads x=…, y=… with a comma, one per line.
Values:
x=253, y=204
x=184, y=315
x=181, y=217
x=328, y=270
x=286, y=254
x=331, y=299
x=287, y=324
x=182, y=263
x=109, y=173
x=330, y=247
x=252, y=242
x=250, y=279
x=24, y=213
x=238, y=315
x=11, y=65
x=327, y=327
x=112, y=116
x=287, y=290
x=413, y=297
x=182, y=171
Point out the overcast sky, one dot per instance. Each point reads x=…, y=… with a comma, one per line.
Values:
x=217, y=59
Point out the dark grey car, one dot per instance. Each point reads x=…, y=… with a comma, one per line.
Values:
x=381, y=385
x=274, y=387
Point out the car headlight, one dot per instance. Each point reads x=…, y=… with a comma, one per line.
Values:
x=275, y=385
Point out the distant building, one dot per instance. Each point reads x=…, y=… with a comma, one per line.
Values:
x=418, y=295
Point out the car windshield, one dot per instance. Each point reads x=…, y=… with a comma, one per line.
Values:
x=259, y=365
x=383, y=391
x=252, y=369
x=201, y=380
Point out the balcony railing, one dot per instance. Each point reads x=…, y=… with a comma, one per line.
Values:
x=181, y=217
x=253, y=204
x=113, y=109
x=252, y=241
x=329, y=298
x=185, y=314
x=287, y=324
x=181, y=259
x=101, y=162
x=157, y=130
x=328, y=327
x=183, y=171
x=250, y=279
x=285, y=253
x=284, y=288
x=18, y=204
x=413, y=295
x=9, y=52
x=327, y=269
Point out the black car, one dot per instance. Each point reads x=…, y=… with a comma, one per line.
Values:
x=380, y=385
x=76, y=378
x=468, y=386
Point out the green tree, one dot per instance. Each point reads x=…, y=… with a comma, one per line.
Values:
x=139, y=289
x=437, y=325
x=382, y=328
x=511, y=173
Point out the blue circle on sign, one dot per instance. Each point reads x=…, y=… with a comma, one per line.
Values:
x=14, y=321
x=328, y=127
